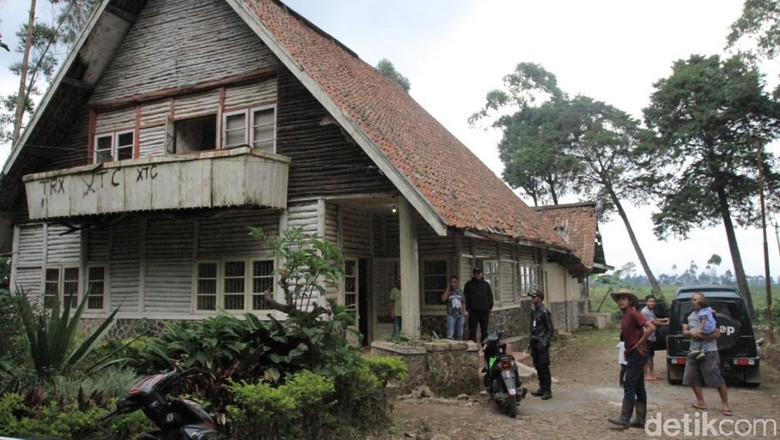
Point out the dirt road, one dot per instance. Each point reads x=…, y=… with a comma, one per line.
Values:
x=587, y=393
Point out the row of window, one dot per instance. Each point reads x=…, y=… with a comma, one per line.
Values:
x=255, y=127
x=245, y=285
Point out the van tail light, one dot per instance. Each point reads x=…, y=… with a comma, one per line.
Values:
x=679, y=361
x=506, y=365
x=744, y=361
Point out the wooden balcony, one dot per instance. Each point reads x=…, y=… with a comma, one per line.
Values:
x=221, y=178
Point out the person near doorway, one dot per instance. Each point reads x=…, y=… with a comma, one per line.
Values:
x=648, y=311
x=395, y=307
x=636, y=329
x=539, y=338
x=704, y=373
x=456, y=308
x=479, y=303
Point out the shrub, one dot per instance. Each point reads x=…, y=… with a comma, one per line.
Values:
x=12, y=350
x=65, y=421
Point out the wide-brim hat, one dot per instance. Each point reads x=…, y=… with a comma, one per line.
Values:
x=626, y=293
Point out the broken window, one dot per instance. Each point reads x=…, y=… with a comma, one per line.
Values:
x=114, y=146
x=253, y=127
x=195, y=134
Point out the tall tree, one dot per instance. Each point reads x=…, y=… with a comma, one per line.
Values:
x=554, y=144
x=21, y=96
x=707, y=118
x=388, y=69
x=760, y=22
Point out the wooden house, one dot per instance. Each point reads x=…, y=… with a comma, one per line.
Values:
x=174, y=125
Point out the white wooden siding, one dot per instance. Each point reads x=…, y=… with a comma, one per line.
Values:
x=303, y=215
x=152, y=141
x=124, y=285
x=29, y=280
x=97, y=245
x=155, y=112
x=196, y=105
x=168, y=272
x=228, y=235
x=333, y=228
x=62, y=246
x=30, y=250
x=126, y=240
x=251, y=95
x=115, y=120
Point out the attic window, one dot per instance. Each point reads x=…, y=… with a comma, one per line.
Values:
x=196, y=134
x=114, y=146
x=255, y=127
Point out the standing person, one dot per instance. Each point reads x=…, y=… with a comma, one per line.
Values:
x=648, y=311
x=395, y=307
x=704, y=373
x=479, y=303
x=636, y=329
x=540, y=336
x=456, y=309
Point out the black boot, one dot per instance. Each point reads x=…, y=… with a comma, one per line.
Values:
x=641, y=415
x=547, y=395
x=538, y=392
x=625, y=415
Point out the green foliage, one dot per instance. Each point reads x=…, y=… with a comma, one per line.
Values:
x=386, y=67
x=64, y=421
x=51, y=335
x=760, y=21
x=11, y=333
x=5, y=274
x=387, y=368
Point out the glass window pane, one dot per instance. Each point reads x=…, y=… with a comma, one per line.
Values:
x=124, y=139
x=261, y=285
x=207, y=286
x=263, y=117
x=207, y=302
x=71, y=273
x=103, y=143
x=124, y=153
x=235, y=122
x=234, y=302
x=96, y=273
x=234, y=285
x=234, y=269
x=207, y=270
x=52, y=274
x=262, y=268
x=259, y=302
x=50, y=289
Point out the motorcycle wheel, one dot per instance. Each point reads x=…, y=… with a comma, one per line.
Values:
x=511, y=408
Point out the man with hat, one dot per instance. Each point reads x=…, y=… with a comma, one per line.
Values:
x=539, y=338
x=479, y=303
x=636, y=329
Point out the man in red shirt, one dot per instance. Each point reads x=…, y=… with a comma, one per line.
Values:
x=636, y=329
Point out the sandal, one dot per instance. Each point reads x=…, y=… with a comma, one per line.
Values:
x=727, y=412
x=697, y=406
x=652, y=378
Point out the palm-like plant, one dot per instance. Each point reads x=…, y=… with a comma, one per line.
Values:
x=51, y=334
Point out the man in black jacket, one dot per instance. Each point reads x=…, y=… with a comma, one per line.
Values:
x=540, y=335
x=479, y=303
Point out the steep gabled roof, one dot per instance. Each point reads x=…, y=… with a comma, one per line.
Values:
x=440, y=176
x=445, y=182
x=578, y=225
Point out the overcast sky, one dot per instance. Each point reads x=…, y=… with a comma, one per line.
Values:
x=455, y=51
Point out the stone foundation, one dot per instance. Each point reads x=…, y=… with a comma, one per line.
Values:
x=448, y=368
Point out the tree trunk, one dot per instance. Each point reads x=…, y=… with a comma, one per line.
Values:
x=642, y=260
x=739, y=270
x=21, y=98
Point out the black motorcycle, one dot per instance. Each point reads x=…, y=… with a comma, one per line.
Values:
x=178, y=419
x=501, y=379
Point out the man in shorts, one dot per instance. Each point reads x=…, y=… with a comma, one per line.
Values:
x=649, y=313
x=704, y=373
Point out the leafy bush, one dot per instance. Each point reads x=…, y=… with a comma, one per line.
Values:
x=65, y=421
x=301, y=408
x=14, y=344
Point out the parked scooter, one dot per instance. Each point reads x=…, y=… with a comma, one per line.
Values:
x=178, y=419
x=501, y=379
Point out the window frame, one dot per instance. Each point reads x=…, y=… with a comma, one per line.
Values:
x=87, y=281
x=448, y=266
x=249, y=127
x=60, y=283
x=114, y=136
x=221, y=277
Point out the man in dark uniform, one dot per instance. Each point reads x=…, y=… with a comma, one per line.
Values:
x=540, y=335
x=479, y=303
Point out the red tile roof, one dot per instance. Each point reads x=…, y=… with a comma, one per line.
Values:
x=461, y=189
x=579, y=223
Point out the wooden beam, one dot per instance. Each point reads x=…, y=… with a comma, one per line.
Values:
x=188, y=90
x=121, y=13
